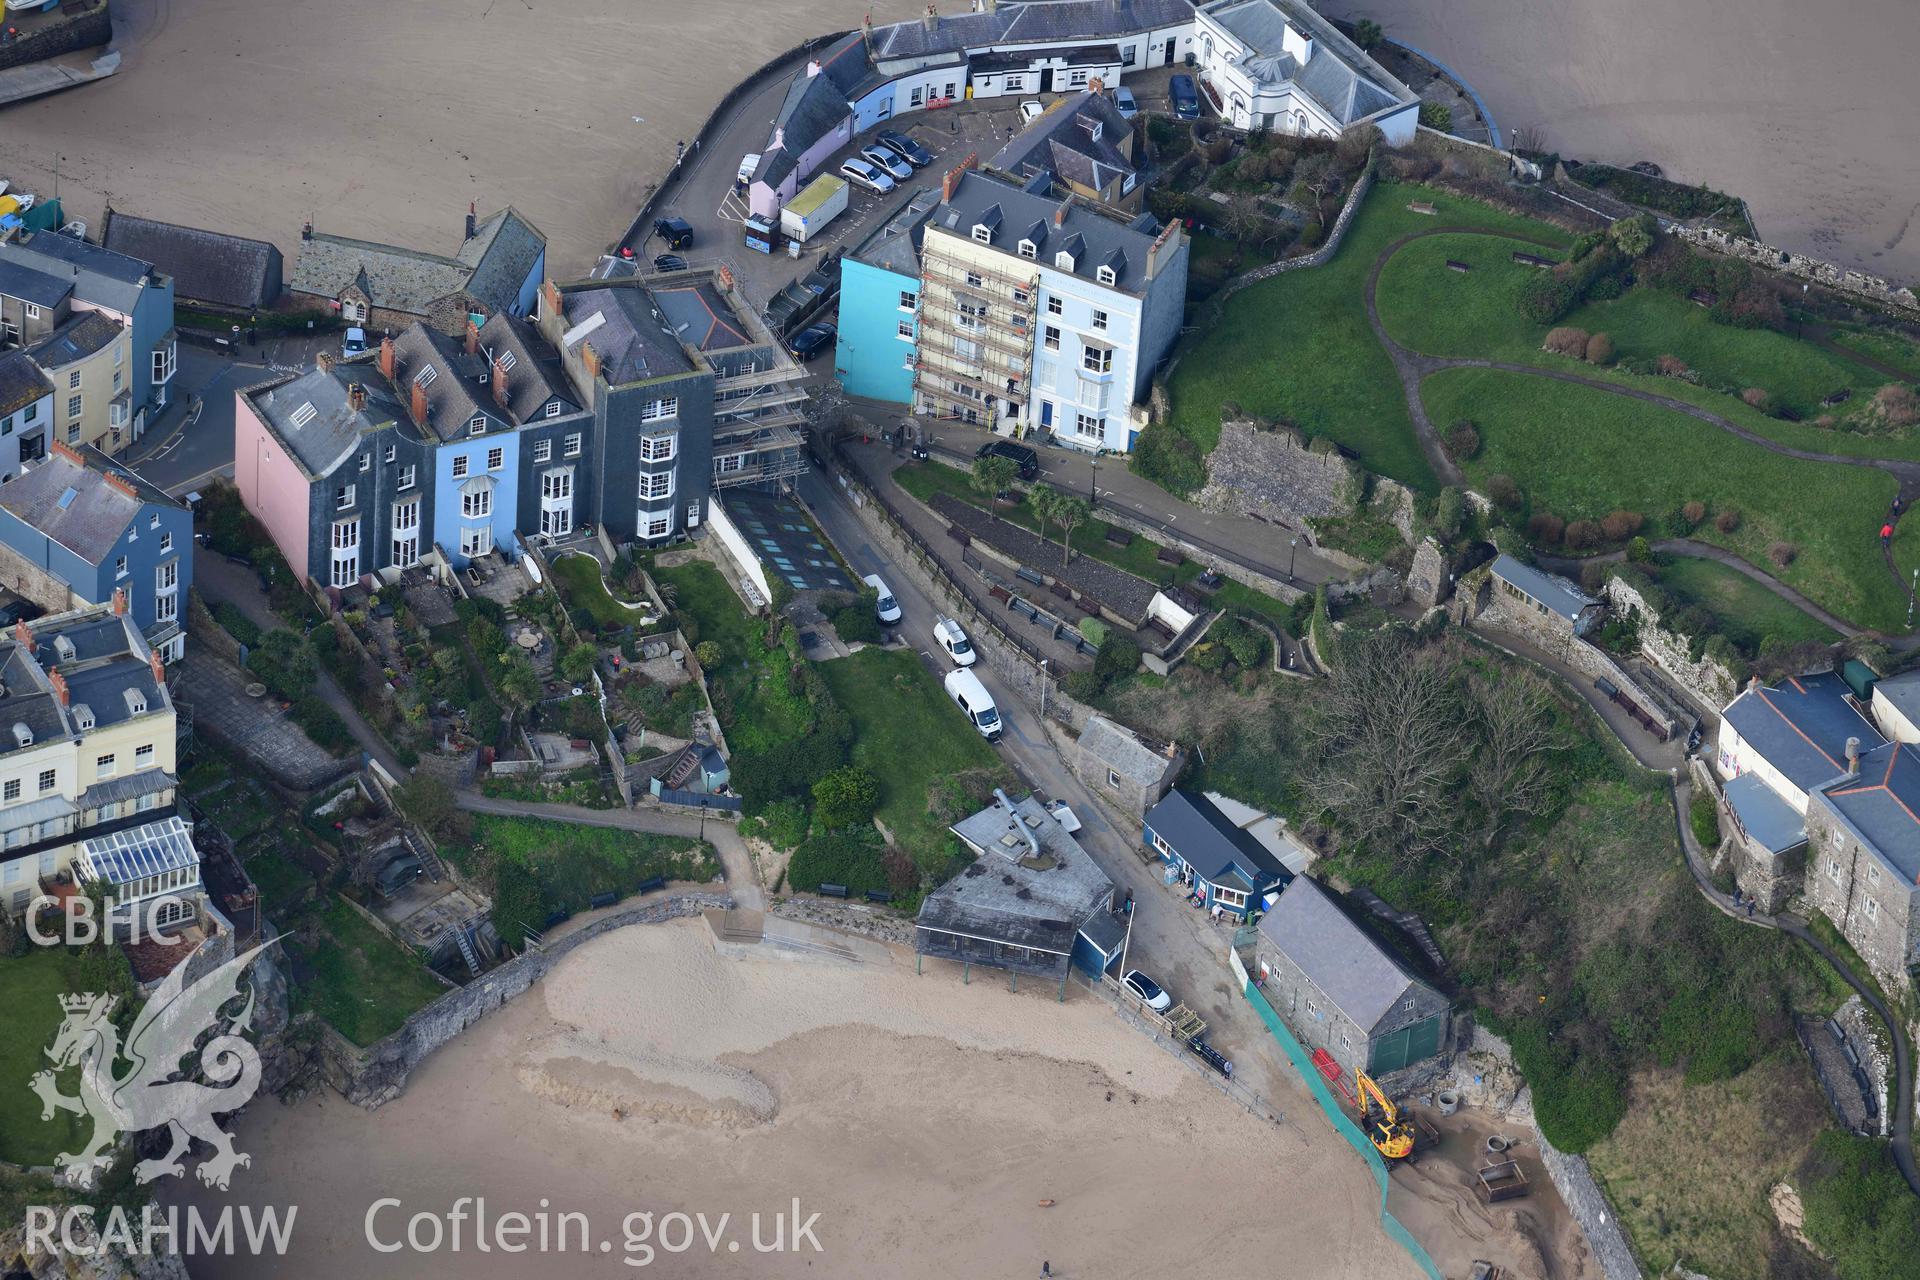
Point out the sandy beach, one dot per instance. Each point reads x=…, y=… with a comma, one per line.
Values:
x=1806, y=114
x=924, y=1120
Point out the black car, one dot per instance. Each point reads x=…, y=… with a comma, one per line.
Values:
x=669, y=262
x=1024, y=458
x=1184, y=97
x=904, y=147
x=811, y=341
x=677, y=232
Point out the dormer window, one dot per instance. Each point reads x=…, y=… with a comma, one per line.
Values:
x=136, y=702
x=983, y=233
x=83, y=717
x=1063, y=260
x=1028, y=249
x=1105, y=275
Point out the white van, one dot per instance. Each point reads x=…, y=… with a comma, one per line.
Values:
x=972, y=697
x=955, y=642
x=886, y=608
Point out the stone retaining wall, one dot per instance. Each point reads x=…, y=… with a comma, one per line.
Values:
x=855, y=918
x=1707, y=681
x=1857, y=284
x=378, y=1074
x=83, y=31
x=1271, y=474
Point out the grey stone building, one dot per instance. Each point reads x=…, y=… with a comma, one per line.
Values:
x=1541, y=606
x=1337, y=988
x=498, y=267
x=1122, y=769
x=1863, y=855
x=1768, y=840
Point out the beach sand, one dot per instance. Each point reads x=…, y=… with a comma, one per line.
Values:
x=1806, y=113
x=924, y=1120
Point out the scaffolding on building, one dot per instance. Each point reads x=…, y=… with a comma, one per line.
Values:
x=975, y=349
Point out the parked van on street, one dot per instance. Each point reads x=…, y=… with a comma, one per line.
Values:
x=955, y=642
x=972, y=697
x=886, y=608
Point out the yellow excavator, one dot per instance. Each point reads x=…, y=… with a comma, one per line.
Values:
x=1380, y=1119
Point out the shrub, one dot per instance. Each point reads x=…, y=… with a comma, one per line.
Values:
x=1673, y=367
x=1169, y=459
x=1437, y=115
x=847, y=797
x=1310, y=236
x=1858, y=1208
x=1782, y=553
x=1897, y=404
x=577, y=663
x=1463, y=440
x=1640, y=551
x=1695, y=512
x=850, y=858
x=1757, y=398
x=856, y=620
x=237, y=624
x=1727, y=521
x=1755, y=306
x=1621, y=525
x=1567, y=341
x=1599, y=349
x=1218, y=149
x=1632, y=236
x=1583, y=534
x=1544, y=299
x=1504, y=491
x=1545, y=527
x=707, y=653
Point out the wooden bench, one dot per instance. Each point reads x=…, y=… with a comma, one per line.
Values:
x=1533, y=260
x=1423, y=206
x=1119, y=537
x=833, y=891
x=1167, y=555
x=1461, y=267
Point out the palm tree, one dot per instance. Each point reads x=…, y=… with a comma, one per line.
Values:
x=1042, y=500
x=1069, y=509
x=993, y=474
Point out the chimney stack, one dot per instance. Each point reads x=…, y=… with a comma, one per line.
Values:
x=419, y=404
x=500, y=384
x=59, y=683
x=472, y=222
x=590, y=358
x=1060, y=214
x=24, y=635
x=386, y=357
x=930, y=19
x=1853, y=755
x=357, y=396
x=119, y=602
x=306, y=231
x=154, y=664
x=323, y=361
x=473, y=337
x=813, y=68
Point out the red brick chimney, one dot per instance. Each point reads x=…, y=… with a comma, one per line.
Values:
x=550, y=293
x=119, y=602
x=323, y=361
x=59, y=683
x=157, y=667
x=357, y=396
x=123, y=484
x=951, y=182
x=499, y=383
x=590, y=358
x=473, y=337
x=1060, y=214
x=68, y=452
x=24, y=633
x=386, y=356
x=419, y=404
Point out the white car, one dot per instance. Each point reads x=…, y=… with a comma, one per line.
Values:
x=1148, y=990
x=885, y=608
x=1030, y=110
x=887, y=162
x=862, y=174
x=955, y=642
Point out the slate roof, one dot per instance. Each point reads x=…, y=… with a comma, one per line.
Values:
x=620, y=323
x=1102, y=239
x=1078, y=55
x=1801, y=726
x=454, y=394
x=490, y=267
x=1769, y=821
x=1347, y=83
x=321, y=442
x=815, y=106
x=985, y=901
x=1118, y=749
x=1901, y=692
x=110, y=658
x=84, y=333
x=534, y=376
x=894, y=245
x=209, y=266
x=1338, y=956
x=1044, y=22
x=1208, y=841
x=72, y=504
x=31, y=284
x=128, y=786
x=1882, y=803
x=21, y=382
x=1559, y=595
x=1061, y=143
x=97, y=275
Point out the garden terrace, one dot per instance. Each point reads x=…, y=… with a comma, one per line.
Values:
x=1097, y=587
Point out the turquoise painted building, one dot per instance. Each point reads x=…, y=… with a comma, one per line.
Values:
x=879, y=304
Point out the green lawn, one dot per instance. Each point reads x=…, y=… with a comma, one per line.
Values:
x=359, y=979
x=29, y=1016
x=578, y=578
x=572, y=863
x=1896, y=349
x=1442, y=312
x=909, y=735
x=1299, y=347
x=748, y=685
x=1140, y=557
x=282, y=882
x=1746, y=612
x=1906, y=547
x=1580, y=453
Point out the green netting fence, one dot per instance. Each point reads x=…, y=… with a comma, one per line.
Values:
x=1337, y=1116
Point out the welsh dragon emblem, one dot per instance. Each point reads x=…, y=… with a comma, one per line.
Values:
x=149, y=1095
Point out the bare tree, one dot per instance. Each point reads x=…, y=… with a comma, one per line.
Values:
x=1392, y=745
x=1318, y=175
x=1510, y=773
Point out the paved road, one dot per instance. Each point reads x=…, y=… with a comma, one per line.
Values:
x=187, y=449
x=1178, y=945
x=734, y=858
